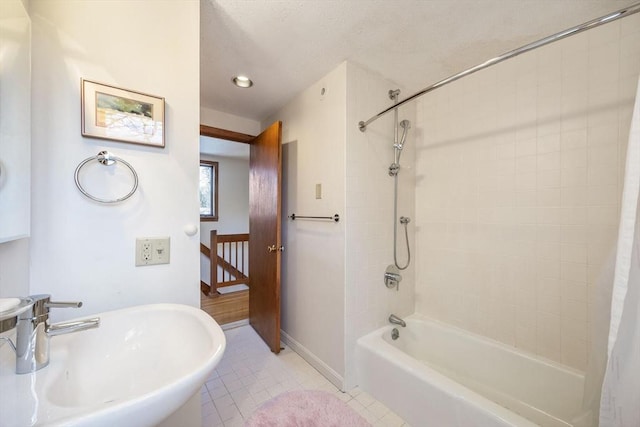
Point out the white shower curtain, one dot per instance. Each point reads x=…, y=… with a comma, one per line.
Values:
x=620, y=400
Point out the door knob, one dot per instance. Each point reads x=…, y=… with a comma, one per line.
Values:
x=271, y=248
x=281, y=248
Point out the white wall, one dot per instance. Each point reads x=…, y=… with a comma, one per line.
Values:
x=14, y=268
x=222, y=120
x=518, y=187
x=313, y=263
x=369, y=210
x=82, y=250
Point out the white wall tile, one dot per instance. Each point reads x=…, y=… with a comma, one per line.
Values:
x=573, y=139
x=549, y=161
x=573, y=176
x=576, y=291
x=602, y=135
x=574, y=234
x=549, y=143
x=630, y=25
x=545, y=190
x=629, y=54
x=574, y=253
x=548, y=335
x=572, y=196
x=574, y=215
x=368, y=301
x=574, y=352
x=574, y=159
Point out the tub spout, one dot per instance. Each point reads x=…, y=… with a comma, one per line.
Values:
x=397, y=321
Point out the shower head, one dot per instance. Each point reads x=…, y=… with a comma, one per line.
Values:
x=397, y=146
x=405, y=125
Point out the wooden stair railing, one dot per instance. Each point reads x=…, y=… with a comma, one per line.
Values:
x=204, y=287
x=234, y=254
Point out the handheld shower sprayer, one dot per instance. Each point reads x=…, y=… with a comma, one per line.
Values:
x=398, y=146
x=405, y=125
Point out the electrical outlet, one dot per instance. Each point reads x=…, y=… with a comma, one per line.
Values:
x=146, y=251
x=152, y=250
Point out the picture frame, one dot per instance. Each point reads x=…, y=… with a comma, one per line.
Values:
x=110, y=112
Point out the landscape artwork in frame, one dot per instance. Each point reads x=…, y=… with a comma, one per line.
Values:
x=123, y=115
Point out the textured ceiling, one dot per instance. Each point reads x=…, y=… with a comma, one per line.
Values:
x=286, y=45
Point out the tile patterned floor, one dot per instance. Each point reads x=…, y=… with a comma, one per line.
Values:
x=249, y=374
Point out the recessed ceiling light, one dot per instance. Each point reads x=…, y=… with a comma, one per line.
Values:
x=242, y=81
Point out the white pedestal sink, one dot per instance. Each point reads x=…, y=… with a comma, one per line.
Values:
x=137, y=368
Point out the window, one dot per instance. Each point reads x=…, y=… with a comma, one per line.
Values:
x=208, y=190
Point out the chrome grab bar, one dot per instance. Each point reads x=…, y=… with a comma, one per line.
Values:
x=335, y=217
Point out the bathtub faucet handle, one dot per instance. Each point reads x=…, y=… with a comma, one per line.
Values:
x=392, y=277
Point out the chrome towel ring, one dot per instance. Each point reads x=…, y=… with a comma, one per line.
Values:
x=107, y=159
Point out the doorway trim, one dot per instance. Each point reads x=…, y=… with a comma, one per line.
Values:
x=231, y=306
x=229, y=135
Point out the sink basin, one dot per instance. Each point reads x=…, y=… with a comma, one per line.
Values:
x=137, y=368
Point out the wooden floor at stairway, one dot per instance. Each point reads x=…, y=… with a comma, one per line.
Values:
x=226, y=308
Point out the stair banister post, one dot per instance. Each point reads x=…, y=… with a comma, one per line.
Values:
x=213, y=262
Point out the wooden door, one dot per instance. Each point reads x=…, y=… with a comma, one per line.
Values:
x=265, y=164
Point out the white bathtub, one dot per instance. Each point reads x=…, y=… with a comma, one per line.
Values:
x=439, y=375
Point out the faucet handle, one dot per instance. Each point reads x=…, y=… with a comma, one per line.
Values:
x=392, y=277
x=63, y=304
x=40, y=305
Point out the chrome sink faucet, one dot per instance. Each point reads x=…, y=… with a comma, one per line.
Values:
x=33, y=331
x=397, y=321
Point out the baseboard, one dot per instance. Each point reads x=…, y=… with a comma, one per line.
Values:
x=236, y=324
x=313, y=360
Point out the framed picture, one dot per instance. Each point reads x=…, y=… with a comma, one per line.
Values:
x=109, y=112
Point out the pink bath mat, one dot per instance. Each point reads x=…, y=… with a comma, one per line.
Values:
x=306, y=408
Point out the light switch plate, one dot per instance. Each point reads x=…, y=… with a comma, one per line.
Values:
x=152, y=250
x=318, y=191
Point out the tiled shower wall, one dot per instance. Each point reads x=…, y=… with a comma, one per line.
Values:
x=518, y=182
x=369, y=210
